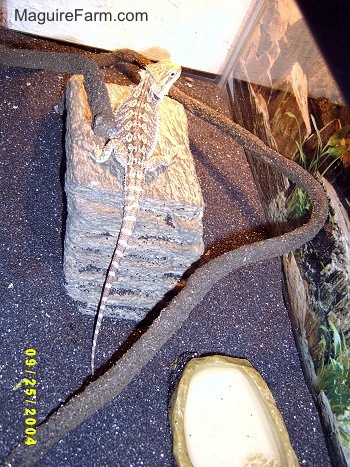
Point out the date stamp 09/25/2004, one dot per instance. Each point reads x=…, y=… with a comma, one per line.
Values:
x=29, y=382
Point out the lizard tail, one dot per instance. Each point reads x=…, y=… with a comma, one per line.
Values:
x=131, y=209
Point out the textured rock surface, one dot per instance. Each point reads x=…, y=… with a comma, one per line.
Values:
x=279, y=40
x=168, y=235
x=318, y=296
x=306, y=325
x=251, y=111
x=336, y=277
x=292, y=98
x=314, y=293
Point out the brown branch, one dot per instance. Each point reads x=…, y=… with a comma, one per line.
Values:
x=103, y=118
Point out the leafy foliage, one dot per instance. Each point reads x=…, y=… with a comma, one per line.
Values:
x=322, y=160
x=333, y=375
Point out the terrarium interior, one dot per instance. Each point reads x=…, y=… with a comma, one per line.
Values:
x=284, y=92
x=272, y=80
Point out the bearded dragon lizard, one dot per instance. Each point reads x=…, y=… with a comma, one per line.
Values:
x=137, y=121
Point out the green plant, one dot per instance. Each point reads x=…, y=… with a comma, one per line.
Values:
x=322, y=160
x=333, y=374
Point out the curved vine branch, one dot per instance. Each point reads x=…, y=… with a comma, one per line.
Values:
x=108, y=386
x=103, y=118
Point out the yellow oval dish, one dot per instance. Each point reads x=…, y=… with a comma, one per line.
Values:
x=223, y=414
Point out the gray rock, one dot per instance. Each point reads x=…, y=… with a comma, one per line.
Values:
x=168, y=235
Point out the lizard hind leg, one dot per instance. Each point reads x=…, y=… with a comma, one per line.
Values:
x=160, y=160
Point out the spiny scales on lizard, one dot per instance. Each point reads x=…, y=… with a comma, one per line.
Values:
x=137, y=120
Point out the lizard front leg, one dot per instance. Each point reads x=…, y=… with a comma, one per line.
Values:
x=93, y=145
x=102, y=154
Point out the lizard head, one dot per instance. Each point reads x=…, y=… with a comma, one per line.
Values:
x=163, y=74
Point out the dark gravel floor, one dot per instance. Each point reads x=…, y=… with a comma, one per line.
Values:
x=244, y=315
